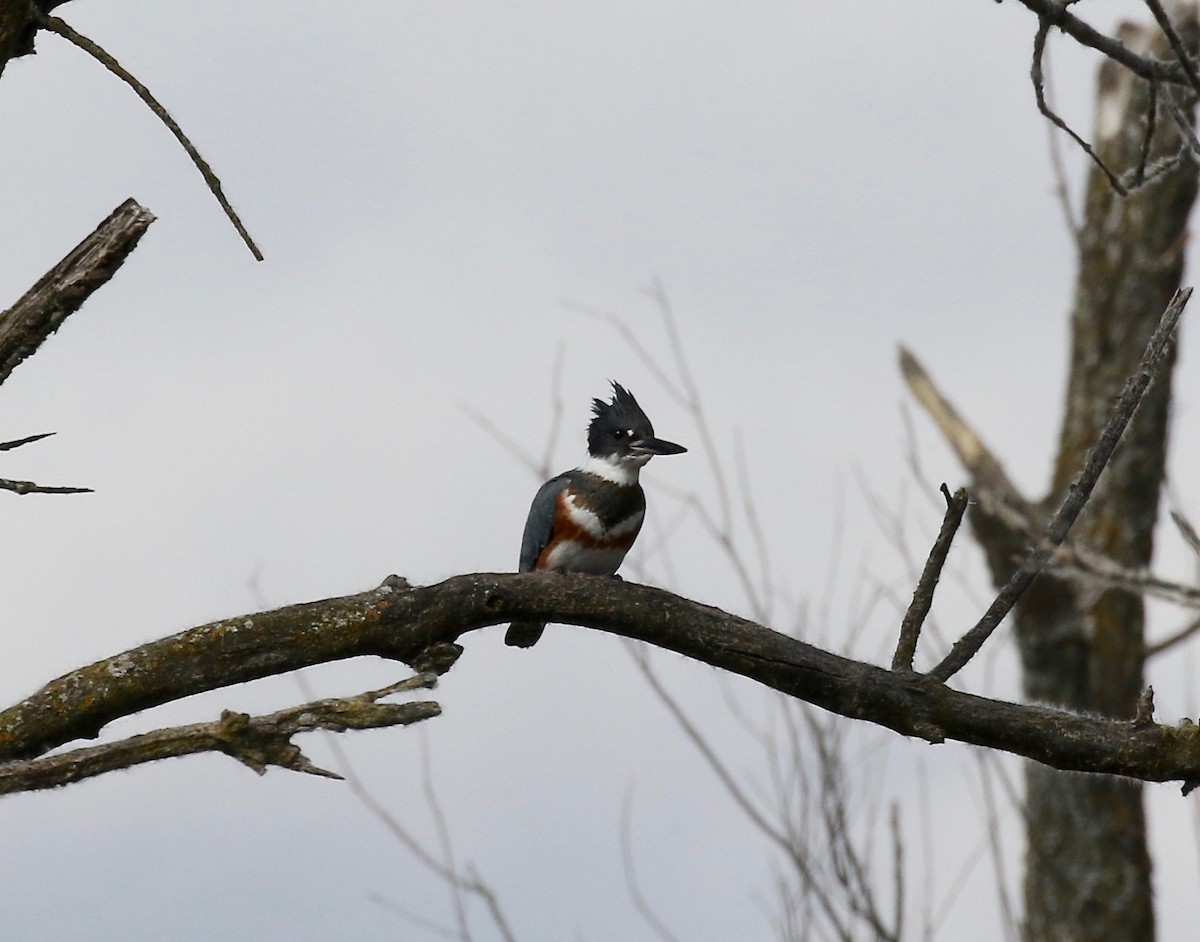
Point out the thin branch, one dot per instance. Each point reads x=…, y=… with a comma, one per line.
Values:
x=1139, y=171
x=1039, y=91
x=457, y=894
x=506, y=442
x=1181, y=54
x=754, y=524
x=62, y=290
x=1174, y=639
x=1061, y=188
x=56, y=25
x=1077, y=563
x=9, y=446
x=1056, y=13
x=1186, y=131
x=922, y=600
x=634, y=344
x=468, y=882
x=631, y=881
x=1077, y=494
x=258, y=742
x=415, y=918
x=29, y=487
x=1187, y=531
x=556, y=412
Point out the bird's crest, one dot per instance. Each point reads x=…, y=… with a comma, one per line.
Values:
x=621, y=414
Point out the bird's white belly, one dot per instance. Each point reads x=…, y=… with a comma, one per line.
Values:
x=569, y=556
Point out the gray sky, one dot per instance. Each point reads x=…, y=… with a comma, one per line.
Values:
x=437, y=187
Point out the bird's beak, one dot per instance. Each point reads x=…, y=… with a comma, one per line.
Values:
x=657, y=446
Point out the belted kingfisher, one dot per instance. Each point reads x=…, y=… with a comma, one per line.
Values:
x=586, y=519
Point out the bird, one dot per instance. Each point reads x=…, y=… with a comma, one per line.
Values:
x=585, y=519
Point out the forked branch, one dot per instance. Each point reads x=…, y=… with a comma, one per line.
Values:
x=258, y=742
x=1077, y=494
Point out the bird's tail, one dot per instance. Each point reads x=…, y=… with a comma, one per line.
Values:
x=524, y=634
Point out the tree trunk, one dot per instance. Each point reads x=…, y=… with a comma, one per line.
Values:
x=1088, y=871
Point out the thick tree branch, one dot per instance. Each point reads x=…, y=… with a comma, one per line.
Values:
x=62, y=290
x=256, y=741
x=411, y=623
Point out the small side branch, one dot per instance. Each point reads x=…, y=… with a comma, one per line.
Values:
x=62, y=290
x=29, y=487
x=1039, y=91
x=1182, y=56
x=922, y=600
x=1056, y=13
x=28, y=440
x=1187, y=531
x=258, y=742
x=1077, y=494
x=56, y=25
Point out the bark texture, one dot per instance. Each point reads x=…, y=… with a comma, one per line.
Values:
x=1088, y=871
x=420, y=626
x=62, y=290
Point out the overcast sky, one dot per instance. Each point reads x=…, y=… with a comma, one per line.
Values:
x=438, y=189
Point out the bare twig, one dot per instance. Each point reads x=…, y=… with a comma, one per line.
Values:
x=546, y=469
x=833, y=883
x=29, y=487
x=1139, y=171
x=1076, y=563
x=1077, y=494
x=505, y=441
x=652, y=919
x=9, y=446
x=1039, y=91
x=56, y=25
x=461, y=881
x=1182, y=56
x=1056, y=13
x=1187, y=531
x=922, y=600
x=62, y=290
x=1061, y=189
x=1172, y=640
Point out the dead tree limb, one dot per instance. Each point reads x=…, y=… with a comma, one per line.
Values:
x=413, y=624
x=258, y=742
x=922, y=600
x=62, y=290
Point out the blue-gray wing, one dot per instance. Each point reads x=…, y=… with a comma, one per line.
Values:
x=539, y=526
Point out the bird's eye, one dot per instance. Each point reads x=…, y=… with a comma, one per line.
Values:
x=623, y=433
